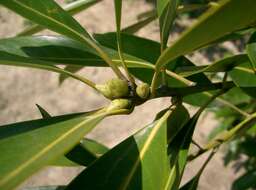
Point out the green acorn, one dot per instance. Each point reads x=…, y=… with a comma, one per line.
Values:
x=118, y=104
x=114, y=88
x=143, y=90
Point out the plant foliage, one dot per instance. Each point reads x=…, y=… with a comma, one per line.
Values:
x=154, y=157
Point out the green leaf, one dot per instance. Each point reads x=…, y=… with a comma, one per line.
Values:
x=72, y=8
x=215, y=23
x=69, y=68
x=140, y=24
x=95, y=147
x=246, y=181
x=178, y=118
x=235, y=35
x=118, y=14
x=178, y=151
x=166, y=12
x=245, y=78
x=196, y=99
x=48, y=14
x=223, y=65
x=51, y=15
x=62, y=160
x=237, y=96
x=45, y=188
x=179, y=147
x=251, y=50
x=60, y=50
x=193, y=183
x=84, y=153
x=191, y=90
x=139, y=162
x=43, y=52
x=14, y=60
x=142, y=48
x=28, y=146
x=147, y=17
x=43, y=112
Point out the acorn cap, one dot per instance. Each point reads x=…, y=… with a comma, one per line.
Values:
x=119, y=88
x=143, y=90
x=118, y=104
x=114, y=88
x=104, y=89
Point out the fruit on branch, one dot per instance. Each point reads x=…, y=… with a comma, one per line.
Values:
x=143, y=90
x=114, y=88
x=118, y=104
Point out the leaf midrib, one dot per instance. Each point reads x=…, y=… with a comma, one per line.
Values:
x=144, y=150
x=46, y=149
x=53, y=20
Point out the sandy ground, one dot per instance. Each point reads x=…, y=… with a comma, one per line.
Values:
x=22, y=88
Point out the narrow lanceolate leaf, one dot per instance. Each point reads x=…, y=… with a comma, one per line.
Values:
x=59, y=50
x=214, y=24
x=193, y=183
x=48, y=14
x=246, y=181
x=178, y=151
x=245, y=78
x=69, y=68
x=251, y=51
x=28, y=146
x=139, y=162
x=140, y=24
x=72, y=8
x=149, y=16
x=62, y=160
x=84, y=153
x=166, y=10
x=43, y=112
x=223, y=65
x=227, y=135
x=178, y=118
x=179, y=147
x=43, y=52
x=118, y=13
x=14, y=60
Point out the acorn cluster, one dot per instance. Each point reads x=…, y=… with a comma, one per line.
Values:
x=120, y=92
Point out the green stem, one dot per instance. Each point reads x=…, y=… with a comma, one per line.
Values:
x=80, y=78
x=105, y=57
x=184, y=91
x=51, y=68
x=235, y=108
x=227, y=135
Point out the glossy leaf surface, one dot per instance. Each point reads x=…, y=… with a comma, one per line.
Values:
x=245, y=78
x=251, y=50
x=166, y=12
x=49, y=14
x=72, y=8
x=84, y=153
x=54, y=137
x=217, y=21
x=139, y=162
